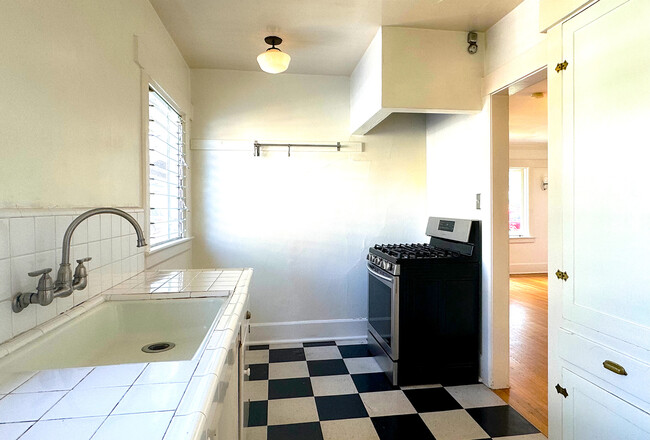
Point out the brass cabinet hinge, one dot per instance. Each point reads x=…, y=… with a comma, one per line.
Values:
x=561, y=66
x=561, y=390
x=561, y=275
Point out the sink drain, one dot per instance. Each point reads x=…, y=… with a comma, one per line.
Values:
x=158, y=347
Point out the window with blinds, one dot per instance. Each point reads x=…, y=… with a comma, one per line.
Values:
x=167, y=172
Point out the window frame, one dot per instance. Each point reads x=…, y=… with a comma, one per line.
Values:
x=149, y=84
x=524, y=229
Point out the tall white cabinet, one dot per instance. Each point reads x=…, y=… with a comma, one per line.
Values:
x=599, y=302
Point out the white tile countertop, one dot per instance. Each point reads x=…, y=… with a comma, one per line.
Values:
x=160, y=400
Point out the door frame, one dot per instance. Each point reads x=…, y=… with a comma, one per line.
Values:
x=499, y=326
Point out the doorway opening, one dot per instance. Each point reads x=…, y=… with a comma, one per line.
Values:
x=528, y=249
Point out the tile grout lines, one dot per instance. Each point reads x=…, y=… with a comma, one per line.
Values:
x=335, y=390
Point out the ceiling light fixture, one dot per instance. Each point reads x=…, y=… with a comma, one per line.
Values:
x=273, y=60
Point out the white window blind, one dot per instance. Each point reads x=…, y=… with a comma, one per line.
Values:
x=167, y=172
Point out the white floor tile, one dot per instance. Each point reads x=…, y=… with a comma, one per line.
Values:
x=68, y=429
x=362, y=365
x=148, y=398
x=349, y=429
x=287, y=370
x=167, y=372
x=333, y=385
x=286, y=345
x=287, y=411
x=112, y=376
x=255, y=433
x=453, y=425
x=256, y=390
x=147, y=426
x=54, y=380
x=27, y=407
x=257, y=357
x=474, y=396
x=387, y=403
x=11, y=431
x=86, y=403
x=321, y=353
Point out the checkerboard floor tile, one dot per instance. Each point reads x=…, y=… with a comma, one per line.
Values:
x=334, y=390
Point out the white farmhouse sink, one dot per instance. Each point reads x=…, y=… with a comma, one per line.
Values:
x=115, y=332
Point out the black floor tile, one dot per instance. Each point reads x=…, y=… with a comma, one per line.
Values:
x=259, y=372
x=501, y=421
x=286, y=355
x=288, y=388
x=301, y=431
x=318, y=344
x=346, y=406
x=408, y=426
x=257, y=413
x=431, y=399
x=329, y=367
x=370, y=382
x=354, y=351
x=258, y=347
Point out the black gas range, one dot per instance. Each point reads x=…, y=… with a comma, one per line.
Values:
x=424, y=305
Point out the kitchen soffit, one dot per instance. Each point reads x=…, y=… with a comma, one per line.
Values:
x=325, y=37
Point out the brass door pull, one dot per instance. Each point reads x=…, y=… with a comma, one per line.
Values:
x=614, y=367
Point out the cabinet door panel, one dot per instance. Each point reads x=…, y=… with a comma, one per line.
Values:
x=606, y=112
x=591, y=413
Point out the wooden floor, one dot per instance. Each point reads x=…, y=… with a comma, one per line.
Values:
x=528, y=349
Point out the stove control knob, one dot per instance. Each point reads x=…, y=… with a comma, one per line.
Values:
x=389, y=267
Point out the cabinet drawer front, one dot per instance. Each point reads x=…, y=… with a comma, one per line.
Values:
x=591, y=413
x=589, y=356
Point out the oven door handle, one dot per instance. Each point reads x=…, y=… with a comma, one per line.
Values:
x=378, y=275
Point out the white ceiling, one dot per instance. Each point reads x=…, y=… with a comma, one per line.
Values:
x=322, y=36
x=529, y=117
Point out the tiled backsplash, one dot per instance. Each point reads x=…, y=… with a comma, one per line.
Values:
x=31, y=239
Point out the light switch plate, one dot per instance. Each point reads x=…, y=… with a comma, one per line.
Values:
x=478, y=201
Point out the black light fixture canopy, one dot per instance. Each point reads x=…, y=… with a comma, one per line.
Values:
x=273, y=41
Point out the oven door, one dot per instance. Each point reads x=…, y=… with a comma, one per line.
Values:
x=383, y=309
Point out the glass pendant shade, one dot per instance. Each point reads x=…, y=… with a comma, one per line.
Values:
x=273, y=60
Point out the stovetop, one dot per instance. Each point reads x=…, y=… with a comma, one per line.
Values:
x=412, y=251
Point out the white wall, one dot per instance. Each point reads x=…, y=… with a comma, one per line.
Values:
x=71, y=115
x=530, y=255
x=303, y=223
x=514, y=47
x=73, y=86
x=459, y=166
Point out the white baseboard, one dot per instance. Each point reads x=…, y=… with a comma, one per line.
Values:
x=305, y=331
x=521, y=268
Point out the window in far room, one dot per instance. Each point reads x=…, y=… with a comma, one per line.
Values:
x=167, y=172
x=518, y=202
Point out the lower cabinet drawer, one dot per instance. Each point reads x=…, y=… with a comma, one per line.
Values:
x=591, y=413
x=595, y=359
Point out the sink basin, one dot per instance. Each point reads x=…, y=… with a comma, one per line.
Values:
x=115, y=332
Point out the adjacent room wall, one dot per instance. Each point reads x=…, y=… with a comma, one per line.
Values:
x=303, y=223
x=530, y=255
x=71, y=115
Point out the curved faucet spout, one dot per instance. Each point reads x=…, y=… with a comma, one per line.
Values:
x=67, y=237
x=65, y=284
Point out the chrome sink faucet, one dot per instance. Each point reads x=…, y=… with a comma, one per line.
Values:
x=66, y=283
